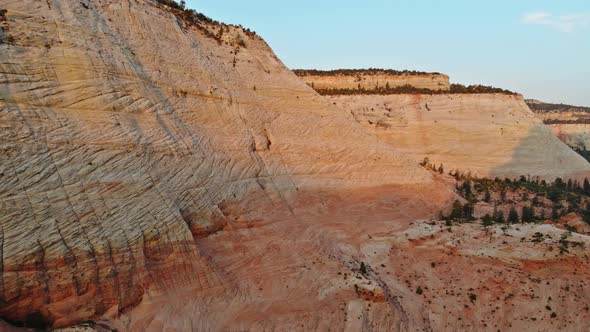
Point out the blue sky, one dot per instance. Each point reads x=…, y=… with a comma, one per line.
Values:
x=540, y=48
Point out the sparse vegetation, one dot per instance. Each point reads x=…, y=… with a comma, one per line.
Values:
x=460, y=212
x=540, y=107
x=538, y=237
x=358, y=72
x=201, y=21
x=408, y=89
x=538, y=198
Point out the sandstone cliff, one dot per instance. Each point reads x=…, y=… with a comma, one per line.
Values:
x=372, y=79
x=143, y=157
x=161, y=176
x=570, y=123
x=487, y=134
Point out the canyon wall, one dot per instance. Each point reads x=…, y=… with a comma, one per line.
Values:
x=145, y=159
x=493, y=135
x=162, y=174
x=371, y=80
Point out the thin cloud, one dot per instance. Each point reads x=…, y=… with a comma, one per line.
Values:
x=565, y=23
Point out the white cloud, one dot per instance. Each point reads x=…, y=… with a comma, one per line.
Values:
x=565, y=23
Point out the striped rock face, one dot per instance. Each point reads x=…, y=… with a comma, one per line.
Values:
x=491, y=135
x=142, y=157
x=157, y=175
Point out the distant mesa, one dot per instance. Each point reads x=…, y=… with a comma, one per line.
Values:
x=570, y=123
x=386, y=82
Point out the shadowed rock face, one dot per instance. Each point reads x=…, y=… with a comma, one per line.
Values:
x=487, y=134
x=141, y=158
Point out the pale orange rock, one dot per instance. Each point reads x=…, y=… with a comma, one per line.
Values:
x=153, y=179
x=490, y=135
x=370, y=81
x=146, y=165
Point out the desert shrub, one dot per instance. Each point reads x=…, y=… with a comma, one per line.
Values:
x=538, y=237
x=363, y=268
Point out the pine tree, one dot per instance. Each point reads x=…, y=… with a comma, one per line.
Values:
x=487, y=221
x=559, y=184
x=457, y=211
x=498, y=216
x=513, y=216
x=467, y=190
x=468, y=212
x=586, y=187
x=487, y=197
x=528, y=214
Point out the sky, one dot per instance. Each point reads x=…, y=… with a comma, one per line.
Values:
x=540, y=48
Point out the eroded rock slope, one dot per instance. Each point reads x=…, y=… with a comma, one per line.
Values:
x=570, y=123
x=159, y=175
x=142, y=156
x=486, y=134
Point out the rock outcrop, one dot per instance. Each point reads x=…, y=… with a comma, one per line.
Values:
x=148, y=162
x=492, y=135
x=372, y=79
